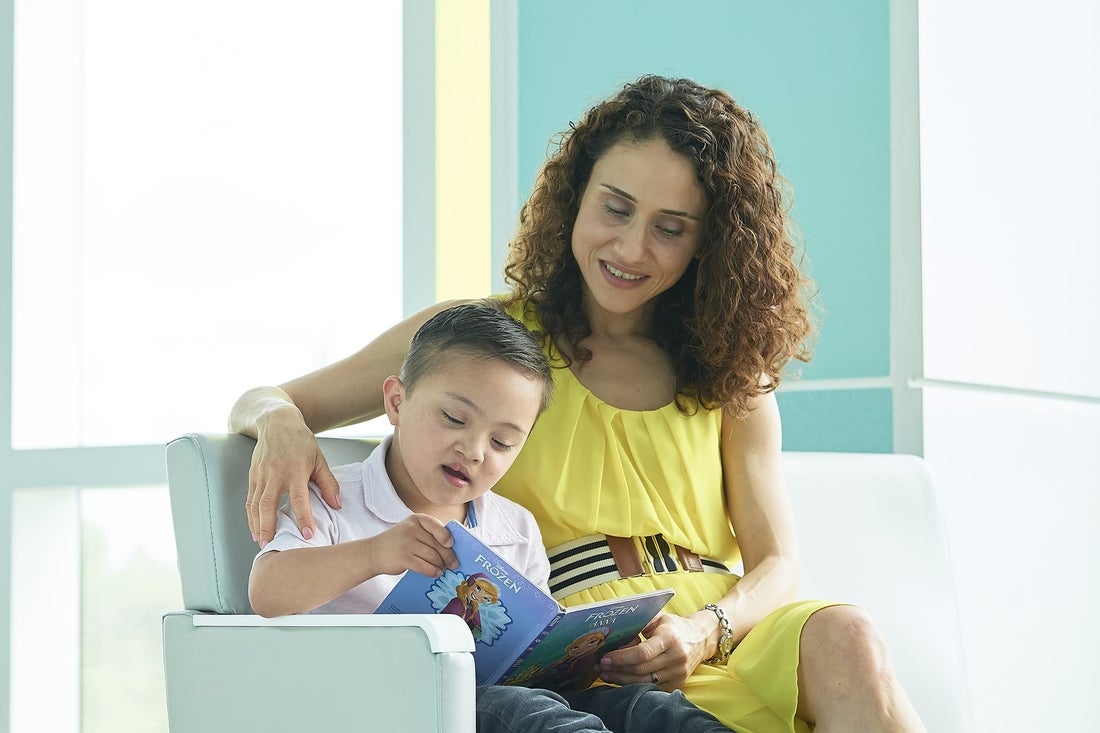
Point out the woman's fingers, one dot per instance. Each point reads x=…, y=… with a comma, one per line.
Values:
x=327, y=483
x=299, y=504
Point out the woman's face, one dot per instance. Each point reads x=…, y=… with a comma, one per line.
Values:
x=639, y=225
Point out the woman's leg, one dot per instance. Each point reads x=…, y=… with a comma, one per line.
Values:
x=845, y=680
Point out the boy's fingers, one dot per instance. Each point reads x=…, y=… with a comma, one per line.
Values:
x=428, y=557
x=450, y=559
x=436, y=529
x=440, y=558
x=425, y=567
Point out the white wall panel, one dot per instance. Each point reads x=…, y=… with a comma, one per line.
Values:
x=1010, y=169
x=1020, y=481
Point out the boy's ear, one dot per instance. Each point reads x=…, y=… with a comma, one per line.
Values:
x=393, y=395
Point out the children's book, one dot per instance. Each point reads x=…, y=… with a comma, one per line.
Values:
x=522, y=636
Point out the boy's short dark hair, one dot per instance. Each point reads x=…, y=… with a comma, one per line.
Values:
x=480, y=329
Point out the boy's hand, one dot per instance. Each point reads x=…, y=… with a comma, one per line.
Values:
x=419, y=543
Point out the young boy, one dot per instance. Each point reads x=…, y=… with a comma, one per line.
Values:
x=471, y=387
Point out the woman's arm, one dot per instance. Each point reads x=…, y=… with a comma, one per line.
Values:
x=760, y=511
x=301, y=579
x=283, y=420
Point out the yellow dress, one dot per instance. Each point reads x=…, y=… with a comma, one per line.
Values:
x=590, y=468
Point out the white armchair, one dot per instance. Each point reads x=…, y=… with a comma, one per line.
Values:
x=869, y=530
x=228, y=670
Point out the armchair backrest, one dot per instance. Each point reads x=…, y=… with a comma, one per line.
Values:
x=208, y=483
x=870, y=532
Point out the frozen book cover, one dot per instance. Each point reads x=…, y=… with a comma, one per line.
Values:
x=522, y=635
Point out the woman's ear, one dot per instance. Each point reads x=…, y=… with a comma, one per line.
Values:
x=393, y=395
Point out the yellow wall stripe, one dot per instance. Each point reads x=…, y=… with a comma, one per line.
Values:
x=463, y=247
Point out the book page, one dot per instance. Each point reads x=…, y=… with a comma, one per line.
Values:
x=568, y=656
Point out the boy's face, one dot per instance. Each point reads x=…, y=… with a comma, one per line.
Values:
x=457, y=432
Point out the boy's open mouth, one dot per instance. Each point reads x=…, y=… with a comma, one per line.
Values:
x=456, y=473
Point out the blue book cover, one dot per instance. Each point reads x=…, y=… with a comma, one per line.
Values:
x=522, y=636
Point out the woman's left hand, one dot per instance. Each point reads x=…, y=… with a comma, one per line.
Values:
x=674, y=646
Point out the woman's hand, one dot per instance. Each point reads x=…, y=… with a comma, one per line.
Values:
x=283, y=419
x=286, y=458
x=674, y=646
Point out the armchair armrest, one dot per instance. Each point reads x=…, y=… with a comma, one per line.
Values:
x=318, y=672
x=444, y=633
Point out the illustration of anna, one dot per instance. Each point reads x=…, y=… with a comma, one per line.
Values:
x=578, y=666
x=476, y=599
x=469, y=595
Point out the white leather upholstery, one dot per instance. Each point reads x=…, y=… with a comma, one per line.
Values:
x=870, y=533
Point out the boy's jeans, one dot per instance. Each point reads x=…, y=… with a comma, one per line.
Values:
x=641, y=708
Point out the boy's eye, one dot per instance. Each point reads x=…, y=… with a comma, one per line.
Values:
x=500, y=444
x=451, y=420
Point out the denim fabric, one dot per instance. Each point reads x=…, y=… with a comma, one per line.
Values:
x=629, y=709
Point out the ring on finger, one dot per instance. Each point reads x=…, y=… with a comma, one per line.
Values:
x=653, y=676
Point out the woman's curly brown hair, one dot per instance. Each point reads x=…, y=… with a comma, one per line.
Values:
x=739, y=313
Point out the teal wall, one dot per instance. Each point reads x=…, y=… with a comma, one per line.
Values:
x=859, y=420
x=817, y=76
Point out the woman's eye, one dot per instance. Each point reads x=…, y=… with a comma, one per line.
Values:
x=669, y=231
x=451, y=420
x=615, y=211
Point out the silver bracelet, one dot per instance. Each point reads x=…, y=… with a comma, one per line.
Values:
x=725, y=644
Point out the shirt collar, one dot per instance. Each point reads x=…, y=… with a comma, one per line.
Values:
x=378, y=492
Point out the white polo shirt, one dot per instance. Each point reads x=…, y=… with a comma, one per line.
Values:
x=371, y=506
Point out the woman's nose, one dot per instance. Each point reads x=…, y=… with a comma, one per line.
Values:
x=632, y=245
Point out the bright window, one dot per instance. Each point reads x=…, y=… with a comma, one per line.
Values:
x=207, y=197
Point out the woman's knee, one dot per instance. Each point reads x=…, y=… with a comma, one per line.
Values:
x=843, y=638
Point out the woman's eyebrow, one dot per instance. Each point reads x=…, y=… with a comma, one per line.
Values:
x=631, y=199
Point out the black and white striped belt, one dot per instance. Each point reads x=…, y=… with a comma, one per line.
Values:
x=582, y=563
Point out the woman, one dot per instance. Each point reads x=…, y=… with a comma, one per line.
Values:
x=655, y=259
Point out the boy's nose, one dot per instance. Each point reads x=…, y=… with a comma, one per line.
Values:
x=472, y=449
